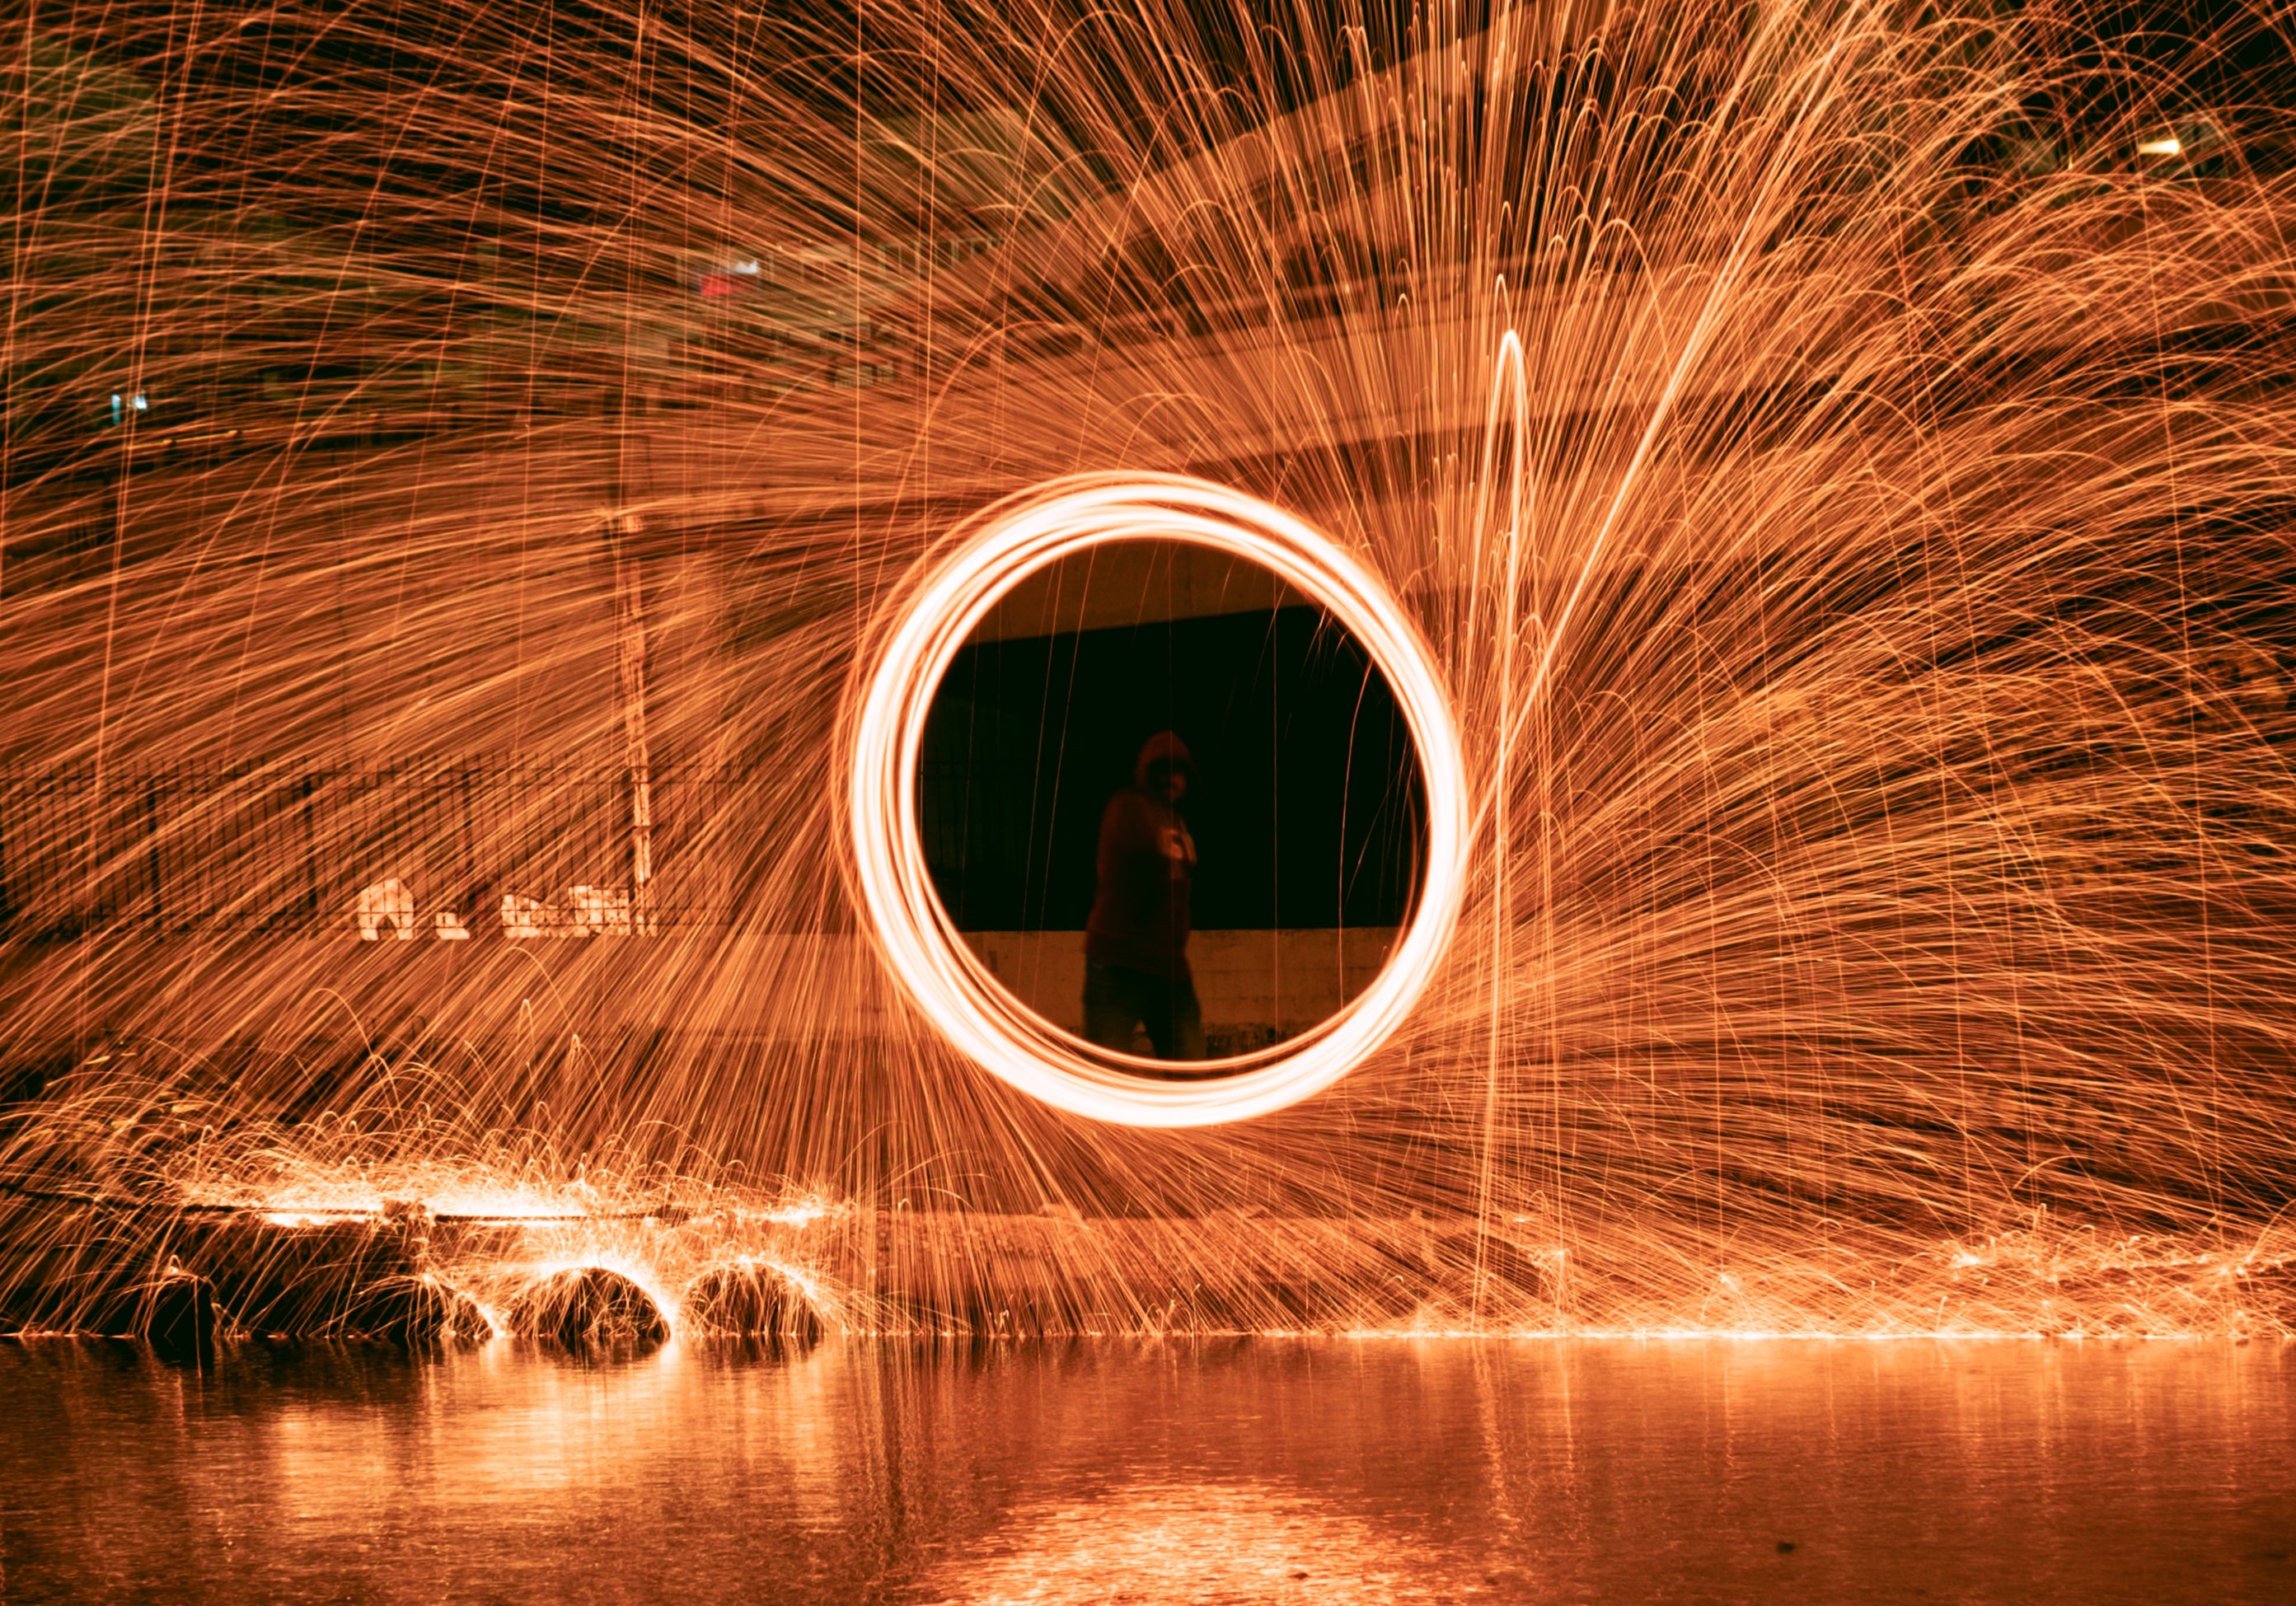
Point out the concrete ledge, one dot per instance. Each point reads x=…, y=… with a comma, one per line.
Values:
x=80, y=1269
x=1278, y=982
x=202, y=990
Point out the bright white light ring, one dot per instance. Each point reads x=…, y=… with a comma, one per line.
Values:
x=922, y=945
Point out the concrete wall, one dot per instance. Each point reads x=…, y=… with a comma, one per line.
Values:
x=1254, y=986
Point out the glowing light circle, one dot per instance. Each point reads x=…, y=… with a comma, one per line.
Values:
x=925, y=953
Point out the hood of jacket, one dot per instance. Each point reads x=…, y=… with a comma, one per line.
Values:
x=1163, y=747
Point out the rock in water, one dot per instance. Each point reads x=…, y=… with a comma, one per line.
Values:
x=588, y=1307
x=416, y=1310
x=751, y=1301
x=178, y=1319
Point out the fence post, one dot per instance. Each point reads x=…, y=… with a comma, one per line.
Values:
x=151, y=784
x=309, y=786
x=630, y=665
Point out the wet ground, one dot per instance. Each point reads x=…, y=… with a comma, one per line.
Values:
x=1259, y=1470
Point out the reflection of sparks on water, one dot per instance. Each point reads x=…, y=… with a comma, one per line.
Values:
x=1160, y=1542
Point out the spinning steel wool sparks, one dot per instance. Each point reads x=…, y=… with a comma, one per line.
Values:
x=488, y=497
x=949, y=983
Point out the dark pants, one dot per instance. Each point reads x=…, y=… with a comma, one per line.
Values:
x=1116, y=1000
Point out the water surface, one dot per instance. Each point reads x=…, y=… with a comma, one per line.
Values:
x=1264, y=1470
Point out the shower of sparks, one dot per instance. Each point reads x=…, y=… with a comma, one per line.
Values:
x=453, y=459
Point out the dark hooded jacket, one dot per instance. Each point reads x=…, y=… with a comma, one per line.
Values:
x=1147, y=864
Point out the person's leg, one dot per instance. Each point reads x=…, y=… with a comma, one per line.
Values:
x=1110, y=1009
x=1156, y=1015
x=1175, y=1021
x=1187, y=1022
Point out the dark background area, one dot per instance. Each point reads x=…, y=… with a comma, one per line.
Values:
x=1306, y=808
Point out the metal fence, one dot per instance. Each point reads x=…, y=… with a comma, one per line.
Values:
x=432, y=851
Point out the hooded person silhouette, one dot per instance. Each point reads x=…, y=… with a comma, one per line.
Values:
x=1135, y=949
